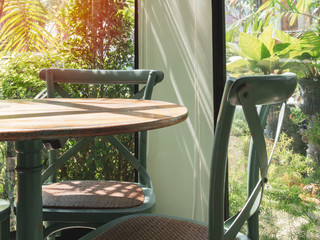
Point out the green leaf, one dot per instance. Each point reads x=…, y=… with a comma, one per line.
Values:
x=256, y=24
x=268, y=65
x=267, y=38
x=237, y=66
x=266, y=5
x=291, y=51
x=231, y=34
x=291, y=5
x=245, y=27
x=285, y=37
x=233, y=47
x=301, y=7
x=311, y=42
x=253, y=47
x=278, y=48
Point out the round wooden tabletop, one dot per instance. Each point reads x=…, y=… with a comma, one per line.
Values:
x=71, y=117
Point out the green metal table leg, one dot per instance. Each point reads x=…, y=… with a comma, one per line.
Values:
x=29, y=199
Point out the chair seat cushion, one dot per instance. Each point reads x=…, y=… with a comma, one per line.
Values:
x=92, y=195
x=154, y=227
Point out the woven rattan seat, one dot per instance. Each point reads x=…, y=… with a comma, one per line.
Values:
x=155, y=228
x=92, y=195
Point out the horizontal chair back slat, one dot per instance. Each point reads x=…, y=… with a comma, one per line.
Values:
x=100, y=76
x=268, y=89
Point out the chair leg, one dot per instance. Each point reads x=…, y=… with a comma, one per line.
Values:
x=253, y=227
x=253, y=176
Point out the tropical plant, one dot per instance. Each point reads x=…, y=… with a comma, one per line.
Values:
x=24, y=28
x=305, y=52
x=307, y=57
x=262, y=53
x=242, y=16
x=293, y=9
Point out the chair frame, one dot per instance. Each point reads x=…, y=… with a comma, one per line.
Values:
x=5, y=211
x=247, y=92
x=91, y=218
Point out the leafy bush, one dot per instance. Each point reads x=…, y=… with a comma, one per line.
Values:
x=97, y=35
x=239, y=124
x=286, y=161
x=313, y=130
x=19, y=76
x=98, y=161
x=288, y=174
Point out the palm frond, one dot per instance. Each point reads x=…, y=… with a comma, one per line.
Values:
x=24, y=28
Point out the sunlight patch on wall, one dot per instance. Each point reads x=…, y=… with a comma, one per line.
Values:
x=175, y=37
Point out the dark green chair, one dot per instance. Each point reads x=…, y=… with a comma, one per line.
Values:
x=89, y=204
x=4, y=219
x=248, y=92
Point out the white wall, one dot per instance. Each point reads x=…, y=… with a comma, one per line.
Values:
x=175, y=36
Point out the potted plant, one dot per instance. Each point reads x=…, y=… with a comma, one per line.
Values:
x=305, y=62
x=307, y=67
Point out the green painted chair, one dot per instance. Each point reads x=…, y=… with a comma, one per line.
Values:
x=89, y=204
x=248, y=92
x=4, y=219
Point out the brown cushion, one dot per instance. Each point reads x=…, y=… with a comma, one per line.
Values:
x=92, y=194
x=155, y=228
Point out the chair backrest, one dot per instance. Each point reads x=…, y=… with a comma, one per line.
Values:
x=247, y=92
x=55, y=77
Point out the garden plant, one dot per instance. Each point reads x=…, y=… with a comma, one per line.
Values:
x=258, y=43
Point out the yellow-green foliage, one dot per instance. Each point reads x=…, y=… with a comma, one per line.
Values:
x=313, y=130
x=286, y=163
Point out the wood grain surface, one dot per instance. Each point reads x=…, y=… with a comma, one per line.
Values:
x=52, y=118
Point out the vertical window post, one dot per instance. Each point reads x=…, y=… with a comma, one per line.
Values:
x=219, y=67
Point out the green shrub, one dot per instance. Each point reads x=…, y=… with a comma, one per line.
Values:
x=313, y=130
x=239, y=124
x=288, y=173
x=19, y=76
x=293, y=126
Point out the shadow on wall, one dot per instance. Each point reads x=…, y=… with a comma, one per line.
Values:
x=175, y=37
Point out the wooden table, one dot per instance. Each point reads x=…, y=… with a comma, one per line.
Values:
x=28, y=122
